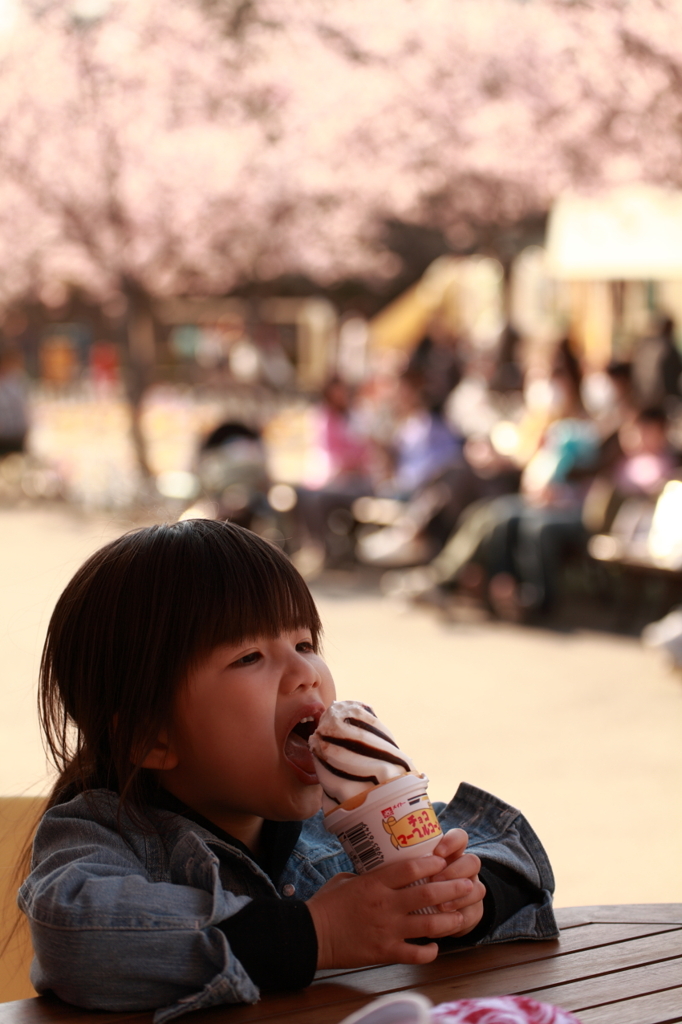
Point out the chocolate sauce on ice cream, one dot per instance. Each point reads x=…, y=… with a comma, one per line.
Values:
x=354, y=751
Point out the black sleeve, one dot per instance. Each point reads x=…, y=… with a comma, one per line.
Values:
x=506, y=892
x=276, y=942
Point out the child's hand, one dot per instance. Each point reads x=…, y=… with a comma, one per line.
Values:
x=461, y=865
x=365, y=919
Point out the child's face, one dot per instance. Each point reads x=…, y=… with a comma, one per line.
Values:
x=233, y=731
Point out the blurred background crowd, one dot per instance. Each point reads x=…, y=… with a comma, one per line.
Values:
x=495, y=439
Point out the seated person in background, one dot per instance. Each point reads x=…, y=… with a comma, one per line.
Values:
x=515, y=542
x=430, y=515
x=423, y=444
x=340, y=457
x=436, y=362
x=423, y=450
x=649, y=460
x=340, y=469
x=657, y=367
x=13, y=404
x=645, y=463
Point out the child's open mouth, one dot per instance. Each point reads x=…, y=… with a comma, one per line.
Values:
x=297, y=751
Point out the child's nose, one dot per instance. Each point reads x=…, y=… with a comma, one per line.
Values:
x=301, y=674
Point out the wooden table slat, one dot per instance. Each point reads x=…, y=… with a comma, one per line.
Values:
x=559, y=971
x=589, y=993
x=633, y=913
x=488, y=958
x=588, y=937
x=50, y=1010
x=659, y=1008
x=332, y=1013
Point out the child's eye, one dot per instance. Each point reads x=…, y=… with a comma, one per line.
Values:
x=249, y=659
x=305, y=646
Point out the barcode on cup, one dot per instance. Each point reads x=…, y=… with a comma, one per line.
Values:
x=364, y=851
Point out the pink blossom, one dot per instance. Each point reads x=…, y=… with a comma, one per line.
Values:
x=500, y=1010
x=170, y=144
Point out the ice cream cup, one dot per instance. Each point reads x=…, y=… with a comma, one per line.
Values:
x=387, y=823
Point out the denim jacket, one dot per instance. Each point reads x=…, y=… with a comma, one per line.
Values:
x=125, y=920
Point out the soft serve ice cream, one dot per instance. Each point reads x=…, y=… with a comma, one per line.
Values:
x=374, y=798
x=354, y=751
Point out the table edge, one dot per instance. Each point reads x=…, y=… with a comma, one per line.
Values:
x=619, y=913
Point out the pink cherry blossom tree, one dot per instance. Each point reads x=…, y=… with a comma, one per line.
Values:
x=179, y=146
x=158, y=147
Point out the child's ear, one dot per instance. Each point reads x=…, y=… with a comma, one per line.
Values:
x=162, y=756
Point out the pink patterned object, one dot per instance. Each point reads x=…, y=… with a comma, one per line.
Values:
x=500, y=1010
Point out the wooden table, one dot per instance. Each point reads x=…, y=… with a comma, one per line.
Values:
x=611, y=965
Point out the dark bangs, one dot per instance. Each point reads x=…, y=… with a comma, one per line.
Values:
x=201, y=583
x=241, y=587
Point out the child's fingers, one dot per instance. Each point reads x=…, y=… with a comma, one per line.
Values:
x=466, y=866
x=471, y=916
x=397, y=876
x=407, y=953
x=453, y=843
x=476, y=895
x=433, y=926
x=433, y=894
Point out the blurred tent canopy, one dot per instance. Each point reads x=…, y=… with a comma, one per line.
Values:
x=615, y=260
x=463, y=295
x=632, y=233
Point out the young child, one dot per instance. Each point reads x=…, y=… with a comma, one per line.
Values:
x=182, y=861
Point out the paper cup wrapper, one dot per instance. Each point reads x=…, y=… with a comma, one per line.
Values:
x=387, y=823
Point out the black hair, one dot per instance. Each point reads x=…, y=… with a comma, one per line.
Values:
x=129, y=627
x=652, y=414
x=619, y=370
x=667, y=328
x=566, y=363
x=229, y=431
